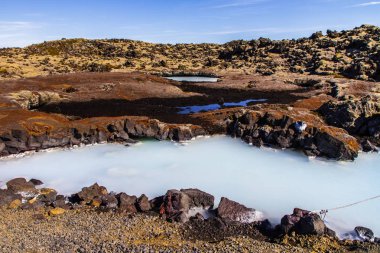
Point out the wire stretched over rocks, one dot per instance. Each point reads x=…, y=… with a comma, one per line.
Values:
x=324, y=212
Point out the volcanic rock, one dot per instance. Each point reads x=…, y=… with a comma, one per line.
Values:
x=175, y=205
x=36, y=182
x=365, y=234
x=232, y=211
x=143, y=204
x=199, y=198
x=277, y=129
x=358, y=116
x=89, y=193
x=368, y=146
x=60, y=201
x=310, y=224
x=47, y=196
x=304, y=222
x=19, y=185
x=7, y=196
x=109, y=201
x=127, y=203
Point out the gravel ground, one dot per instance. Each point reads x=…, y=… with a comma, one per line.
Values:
x=89, y=231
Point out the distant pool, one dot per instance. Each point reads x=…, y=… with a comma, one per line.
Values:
x=193, y=79
x=213, y=107
x=272, y=181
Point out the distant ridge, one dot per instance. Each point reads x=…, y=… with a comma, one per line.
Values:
x=352, y=53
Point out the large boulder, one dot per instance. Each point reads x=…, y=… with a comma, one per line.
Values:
x=368, y=146
x=181, y=205
x=311, y=224
x=199, y=198
x=329, y=146
x=109, y=201
x=20, y=185
x=143, y=204
x=365, y=234
x=232, y=211
x=127, y=203
x=60, y=201
x=36, y=182
x=7, y=197
x=175, y=205
x=87, y=194
x=356, y=115
x=304, y=222
x=47, y=196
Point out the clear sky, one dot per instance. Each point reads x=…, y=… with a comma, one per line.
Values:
x=23, y=22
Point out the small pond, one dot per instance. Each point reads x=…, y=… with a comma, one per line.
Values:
x=213, y=107
x=193, y=79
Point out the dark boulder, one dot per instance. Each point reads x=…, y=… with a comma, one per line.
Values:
x=232, y=211
x=310, y=224
x=176, y=205
x=143, y=204
x=36, y=182
x=33, y=205
x=365, y=234
x=7, y=197
x=181, y=205
x=2, y=146
x=304, y=222
x=87, y=194
x=352, y=114
x=331, y=147
x=47, y=196
x=60, y=201
x=368, y=146
x=157, y=203
x=20, y=185
x=199, y=198
x=127, y=203
x=109, y=201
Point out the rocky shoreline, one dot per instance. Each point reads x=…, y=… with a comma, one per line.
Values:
x=316, y=123
x=276, y=128
x=190, y=212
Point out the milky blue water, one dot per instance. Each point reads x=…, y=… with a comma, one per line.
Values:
x=193, y=79
x=213, y=107
x=272, y=181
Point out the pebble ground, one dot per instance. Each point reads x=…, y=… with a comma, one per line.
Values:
x=90, y=231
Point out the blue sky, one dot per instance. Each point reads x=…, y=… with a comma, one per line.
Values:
x=23, y=22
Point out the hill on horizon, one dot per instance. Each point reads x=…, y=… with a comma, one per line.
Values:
x=351, y=53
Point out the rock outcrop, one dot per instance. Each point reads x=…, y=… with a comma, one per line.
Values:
x=277, y=128
x=365, y=234
x=99, y=130
x=176, y=205
x=304, y=223
x=232, y=211
x=127, y=203
x=360, y=116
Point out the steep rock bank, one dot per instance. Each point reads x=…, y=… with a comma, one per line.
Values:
x=34, y=136
x=359, y=116
x=73, y=109
x=279, y=128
